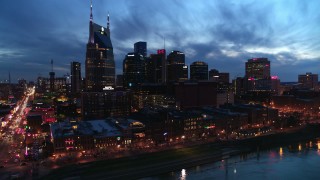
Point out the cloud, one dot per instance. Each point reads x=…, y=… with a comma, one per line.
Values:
x=223, y=33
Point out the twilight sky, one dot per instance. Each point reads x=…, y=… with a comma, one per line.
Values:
x=223, y=33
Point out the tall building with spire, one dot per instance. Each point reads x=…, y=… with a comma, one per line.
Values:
x=99, y=64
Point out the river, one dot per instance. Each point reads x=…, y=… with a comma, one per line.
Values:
x=290, y=161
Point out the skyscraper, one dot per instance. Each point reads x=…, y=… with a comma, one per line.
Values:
x=100, y=65
x=141, y=48
x=258, y=68
x=176, y=68
x=133, y=70
x=308, y=80
x=52, y=77
x=199, y=71
x=154, y=71
x=75, y=77
x=162, y=53
x=258, y=78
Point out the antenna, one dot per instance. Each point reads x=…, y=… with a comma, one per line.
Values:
x=51, y=65
x=164, y=42
x=91, y=17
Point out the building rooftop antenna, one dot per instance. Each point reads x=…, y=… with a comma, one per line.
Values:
x=51, y=65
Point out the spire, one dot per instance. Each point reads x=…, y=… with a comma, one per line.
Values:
x=51, y=65
x=108, y=25
x=91, y=17
x=108, y=22
x=91, y=36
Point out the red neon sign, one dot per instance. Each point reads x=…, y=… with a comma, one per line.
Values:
x=161, y=51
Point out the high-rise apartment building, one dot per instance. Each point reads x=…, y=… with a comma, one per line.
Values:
x=75, y=77
x=100, y=64
x=199, y=71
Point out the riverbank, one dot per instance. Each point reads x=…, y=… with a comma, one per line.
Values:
x=144, y=165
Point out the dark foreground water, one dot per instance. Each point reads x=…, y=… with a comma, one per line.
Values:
x=291, y=161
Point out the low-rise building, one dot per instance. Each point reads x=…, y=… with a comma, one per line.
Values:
x=107, y=134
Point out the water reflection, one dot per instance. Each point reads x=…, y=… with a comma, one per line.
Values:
x=183, y=174
x=318, y=147
x=280, y=152
x=286, y=162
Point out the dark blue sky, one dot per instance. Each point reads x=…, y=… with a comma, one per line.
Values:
x=224, y=33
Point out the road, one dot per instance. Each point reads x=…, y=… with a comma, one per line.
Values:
x=11, y=145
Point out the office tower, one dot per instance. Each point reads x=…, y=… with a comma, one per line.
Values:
x=176, y=68
x=162, y=52
x=154, y=70
x=52, y=84
x=133, y=70
x=199, y=71
x=258, y=78
x=217, y=76
x=308, y=80
x=98, y=105
x=100, y=64
x=75, y=77
x=141, y=48
x=258, y=68
x=196, y=94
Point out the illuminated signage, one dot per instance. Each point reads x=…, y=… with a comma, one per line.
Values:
x=185, y=67
x=107, y=88
x=161, y=51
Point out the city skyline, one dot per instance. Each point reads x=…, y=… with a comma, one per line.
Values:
x=220, y=33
